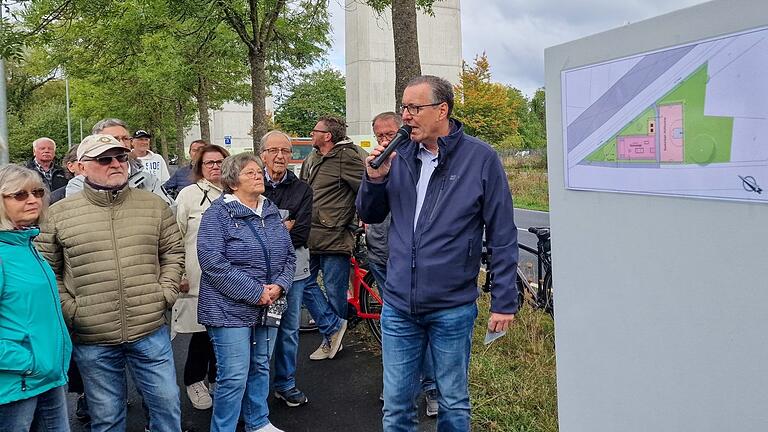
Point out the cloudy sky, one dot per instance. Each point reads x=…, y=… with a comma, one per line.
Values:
x=514, y=33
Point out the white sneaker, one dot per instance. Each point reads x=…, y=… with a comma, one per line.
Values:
x=198, y=395
x=336, y=338
x=269, y=427
x=323, y=351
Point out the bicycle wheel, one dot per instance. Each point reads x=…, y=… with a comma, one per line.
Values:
x=549, y=300
x=369, y=304
x=521, y=285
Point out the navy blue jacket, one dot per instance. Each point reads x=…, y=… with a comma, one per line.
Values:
x=435, y=266
x=179, y=180
x=233, y=263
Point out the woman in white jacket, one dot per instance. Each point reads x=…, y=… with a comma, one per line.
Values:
x=191, y=202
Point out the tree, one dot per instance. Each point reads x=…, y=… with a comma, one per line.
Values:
x=486, y=109
x=317, y=94
x=534, y=128
x=276, y=33
x=405, y=37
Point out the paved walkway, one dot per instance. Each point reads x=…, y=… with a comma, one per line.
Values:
x=343, y=392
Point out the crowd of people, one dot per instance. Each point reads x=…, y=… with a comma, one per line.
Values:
x=100, y=268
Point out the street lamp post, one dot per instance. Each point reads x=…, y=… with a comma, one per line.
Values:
x=3, y=106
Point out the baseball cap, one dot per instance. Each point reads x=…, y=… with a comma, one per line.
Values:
x=94, y=145
x=141, y=133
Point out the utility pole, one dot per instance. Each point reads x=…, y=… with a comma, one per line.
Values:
x=3, y=106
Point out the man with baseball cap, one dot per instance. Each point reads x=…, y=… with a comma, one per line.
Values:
x=118, y=257
x=153, y=162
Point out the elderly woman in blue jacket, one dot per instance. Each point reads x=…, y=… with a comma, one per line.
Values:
x=247, y=262
x=34, y=343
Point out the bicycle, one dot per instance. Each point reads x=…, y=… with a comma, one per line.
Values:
x=363, y=295
x=539, y=296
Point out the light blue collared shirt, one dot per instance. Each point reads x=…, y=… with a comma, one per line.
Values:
x=428, y=165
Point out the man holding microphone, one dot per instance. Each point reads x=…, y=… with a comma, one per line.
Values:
x=443, y=189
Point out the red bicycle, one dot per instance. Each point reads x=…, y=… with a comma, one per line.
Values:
x=363, y=294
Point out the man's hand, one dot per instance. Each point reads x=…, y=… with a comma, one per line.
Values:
x=378, y=175
x=184, y=286
x=499, y=322
x=289, y=224
x=274, y=291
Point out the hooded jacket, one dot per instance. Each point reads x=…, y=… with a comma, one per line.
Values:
x=34, y=344
x=334, y=178
x=434, y=265
x=236, y=264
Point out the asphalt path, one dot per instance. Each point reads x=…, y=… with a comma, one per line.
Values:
x=343, y=392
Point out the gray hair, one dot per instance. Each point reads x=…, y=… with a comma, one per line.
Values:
x=41, y=139
x=14, y=178
x=442, y=90
x=103, y=124
x=270, y=134
x=389, y=115
x=230, y=169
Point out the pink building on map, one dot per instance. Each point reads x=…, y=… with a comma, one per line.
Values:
x=671, y=132
x=636, y=147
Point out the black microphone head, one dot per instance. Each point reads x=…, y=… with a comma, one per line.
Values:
x=405, y=130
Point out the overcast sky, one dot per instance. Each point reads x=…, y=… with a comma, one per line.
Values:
x=514, y=33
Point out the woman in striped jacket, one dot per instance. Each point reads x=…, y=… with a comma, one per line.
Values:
x=247, y=262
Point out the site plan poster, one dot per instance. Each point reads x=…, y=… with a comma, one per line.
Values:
x=690, y=120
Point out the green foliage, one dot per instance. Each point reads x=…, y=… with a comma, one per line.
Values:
x=381, y=5
x=317, y=94
x=44, y=114
x=499, y=114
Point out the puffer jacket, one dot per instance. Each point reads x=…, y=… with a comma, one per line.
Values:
x=118, y=259
x=235, y=263
x=34, y=343
x=334, y=178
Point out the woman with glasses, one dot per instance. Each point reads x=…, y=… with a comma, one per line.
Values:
x=34, y=343
x=191, y=203
x=247, y=262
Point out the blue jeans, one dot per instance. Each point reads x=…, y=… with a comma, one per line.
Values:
x=379, y=272
x=287, y=343
x=404, y=345
x=151, y=362
x=242, y=376
x=329, y=312
x=44, y=412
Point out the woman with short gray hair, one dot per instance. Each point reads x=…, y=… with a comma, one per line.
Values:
x=247, y=262
x=34, y=339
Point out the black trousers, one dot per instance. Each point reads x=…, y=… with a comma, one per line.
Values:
x=201, y=361
x=75, y=380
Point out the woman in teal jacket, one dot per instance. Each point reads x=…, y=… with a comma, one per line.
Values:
x=34, y=343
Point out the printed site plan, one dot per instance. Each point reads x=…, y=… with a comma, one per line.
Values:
x=690, y=121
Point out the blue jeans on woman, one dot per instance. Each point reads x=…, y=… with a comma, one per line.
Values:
x=242, y=376
x=44, y=413
x=404, y=345
x=151, y=362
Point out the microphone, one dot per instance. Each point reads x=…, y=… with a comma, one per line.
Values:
x=403, y=135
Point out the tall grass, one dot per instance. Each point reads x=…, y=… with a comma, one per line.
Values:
x=528, y=181
x=512, y=381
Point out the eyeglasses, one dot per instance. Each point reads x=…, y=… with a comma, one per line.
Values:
x=123, y=138
x=23, y=195
x=414, y=109
x=107, y=160
x=318, y=131
x=251, y=174
x=274, y=151
x=385, y=137
x=211, y=163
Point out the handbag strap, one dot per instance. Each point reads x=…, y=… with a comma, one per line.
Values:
x=263, y=248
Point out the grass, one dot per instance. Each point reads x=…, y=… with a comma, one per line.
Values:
x=528, y=181
x=512, y=381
